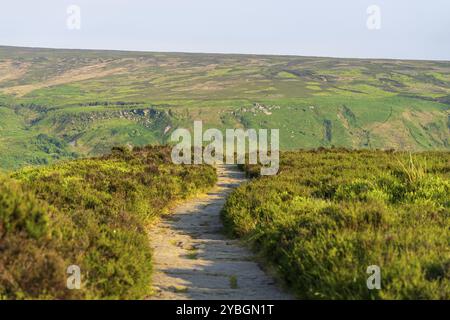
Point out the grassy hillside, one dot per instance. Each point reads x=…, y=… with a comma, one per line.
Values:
x=60, y=104
x=93, y=213
x=330, y=214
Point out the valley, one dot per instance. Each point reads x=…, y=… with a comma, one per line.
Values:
x=66, y=104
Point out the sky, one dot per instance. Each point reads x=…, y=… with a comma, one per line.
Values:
x=399, y=29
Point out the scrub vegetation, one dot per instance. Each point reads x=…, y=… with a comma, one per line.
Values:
x=330, y=214
x=93, y=213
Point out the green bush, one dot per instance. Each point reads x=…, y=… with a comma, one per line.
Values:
x=93, y=213
x=329, y=214
x=32, y=259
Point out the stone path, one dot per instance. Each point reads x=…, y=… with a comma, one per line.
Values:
x=193, y=259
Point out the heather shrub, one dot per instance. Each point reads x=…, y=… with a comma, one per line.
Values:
x=329, y=214
x=93, y=213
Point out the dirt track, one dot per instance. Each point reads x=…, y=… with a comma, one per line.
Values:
x=193, y=259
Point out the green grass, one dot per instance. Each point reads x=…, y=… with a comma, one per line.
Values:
x=233, y=282
x=192, y=255
x=329, y=214
x=93, y=213
x=70, y=103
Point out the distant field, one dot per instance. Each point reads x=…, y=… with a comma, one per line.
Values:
x=332, y=213
x=59, y=104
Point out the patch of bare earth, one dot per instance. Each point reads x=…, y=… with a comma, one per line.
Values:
x=193, y=259
x=10, y=70
x=84, y=73
x=394, y=134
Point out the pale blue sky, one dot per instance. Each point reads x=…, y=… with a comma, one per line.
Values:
x=414, y=29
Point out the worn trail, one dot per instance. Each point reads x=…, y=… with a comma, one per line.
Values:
x=193, y=259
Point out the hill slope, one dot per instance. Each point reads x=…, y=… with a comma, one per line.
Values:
x=64, y=103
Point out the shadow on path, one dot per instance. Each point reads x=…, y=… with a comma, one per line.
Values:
x=193, y=259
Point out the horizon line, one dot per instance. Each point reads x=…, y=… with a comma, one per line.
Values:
x=218, y=53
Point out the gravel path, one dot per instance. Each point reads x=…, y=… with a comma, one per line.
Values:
x=193, y=259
